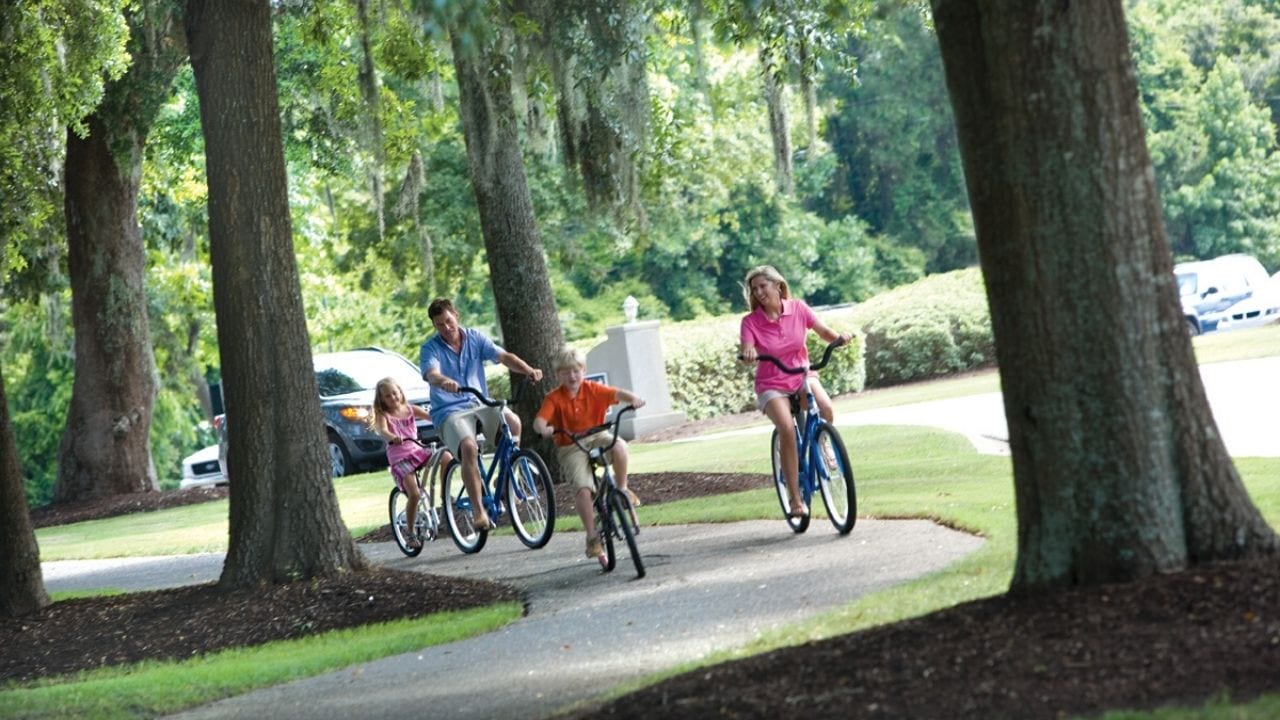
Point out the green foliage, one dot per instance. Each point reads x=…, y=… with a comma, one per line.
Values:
x=1203, y=72
x=894, y=137
x=706, y=379
x=937, y=326
x=39, y=370
x=55, y=58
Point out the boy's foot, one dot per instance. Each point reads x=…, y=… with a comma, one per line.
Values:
x=594, y=548
x=631, y=495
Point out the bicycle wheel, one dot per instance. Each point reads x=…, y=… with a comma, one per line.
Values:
x=622, y=521
x=605, y=527
x=530, y=499
x=835, y=477
x=797, y=524
x=457, y=511
x=397, y=505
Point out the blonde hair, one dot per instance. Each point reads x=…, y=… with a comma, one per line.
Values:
x=771, y=274
x=380, y=410
x=570, y=357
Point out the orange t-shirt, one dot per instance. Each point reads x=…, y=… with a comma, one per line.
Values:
x=575, y=414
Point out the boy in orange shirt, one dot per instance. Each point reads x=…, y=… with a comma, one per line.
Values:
x=576, y=405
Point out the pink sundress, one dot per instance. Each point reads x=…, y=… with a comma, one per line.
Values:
x=405, y=457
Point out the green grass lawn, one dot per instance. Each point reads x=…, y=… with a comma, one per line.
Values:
x=900, y=472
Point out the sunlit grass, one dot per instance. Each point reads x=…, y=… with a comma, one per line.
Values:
x=1247, y=344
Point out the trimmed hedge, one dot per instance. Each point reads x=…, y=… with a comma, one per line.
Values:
x=936, y=326
x=707, y=380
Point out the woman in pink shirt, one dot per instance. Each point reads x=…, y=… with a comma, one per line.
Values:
x=777, y=326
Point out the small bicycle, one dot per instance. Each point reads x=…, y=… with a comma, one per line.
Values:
x=521, y=489
x=614, y=513
x=824, y=462
x=426, y=524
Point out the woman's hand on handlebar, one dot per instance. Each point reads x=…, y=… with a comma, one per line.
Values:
x=747, y=353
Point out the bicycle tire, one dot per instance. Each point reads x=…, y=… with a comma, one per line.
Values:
x=457, y=511
x=836, y=480
x=531, y=499
x=797, y=524
x=606, y=531
x=397, y=505
x=619, y=507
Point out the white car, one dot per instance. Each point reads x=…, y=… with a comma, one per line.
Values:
x=1231, y=291
x=203, y=469
x=1261, y=308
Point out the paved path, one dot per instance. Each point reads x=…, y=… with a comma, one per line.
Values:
x=709, y=587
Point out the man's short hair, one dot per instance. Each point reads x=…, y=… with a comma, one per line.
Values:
x=440, y=306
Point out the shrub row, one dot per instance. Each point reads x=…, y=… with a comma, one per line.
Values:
x=936, y=326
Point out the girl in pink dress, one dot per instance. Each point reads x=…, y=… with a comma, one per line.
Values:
x=396, y=421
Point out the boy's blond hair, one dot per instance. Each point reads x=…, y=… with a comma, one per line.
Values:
x=570, y=357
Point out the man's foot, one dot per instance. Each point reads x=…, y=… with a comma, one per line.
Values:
x=481, y=523
x=631, y=495
x=594, y=548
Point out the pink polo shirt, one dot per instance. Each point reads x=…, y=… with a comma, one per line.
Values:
x=784, y=339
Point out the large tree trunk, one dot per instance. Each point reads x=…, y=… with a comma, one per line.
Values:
x=284, y=523
x=775, y=98
x=21, y=582
x=106, y=447
x=1119, y=469
x=517, y=266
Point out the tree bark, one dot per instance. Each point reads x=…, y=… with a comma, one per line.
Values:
x=1119, y=469
x=284, y=519
x=517, y=265
x=21, y=581
x=779, y=124
x=106, y=447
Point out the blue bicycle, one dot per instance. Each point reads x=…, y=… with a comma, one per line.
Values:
x=824, y=462
x=521, y=491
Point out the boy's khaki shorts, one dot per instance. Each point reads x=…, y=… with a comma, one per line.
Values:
x=573, y=462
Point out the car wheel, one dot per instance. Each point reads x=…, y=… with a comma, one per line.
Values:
x=1193, y=326
x=339, y=461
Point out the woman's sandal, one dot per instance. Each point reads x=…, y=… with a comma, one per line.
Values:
x=412, y=541
x=798, y=510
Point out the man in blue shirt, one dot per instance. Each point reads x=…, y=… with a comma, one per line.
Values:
x=452, y=358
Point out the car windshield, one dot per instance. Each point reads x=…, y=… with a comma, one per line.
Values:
x=342, y=373
x=1188, y=282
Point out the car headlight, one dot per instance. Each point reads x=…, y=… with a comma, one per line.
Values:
x=355, y=413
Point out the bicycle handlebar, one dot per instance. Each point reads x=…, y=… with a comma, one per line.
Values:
x=615, y=425
x=518, y=389
x=826, y=357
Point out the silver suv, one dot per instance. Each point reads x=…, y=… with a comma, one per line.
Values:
x=347, y=382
